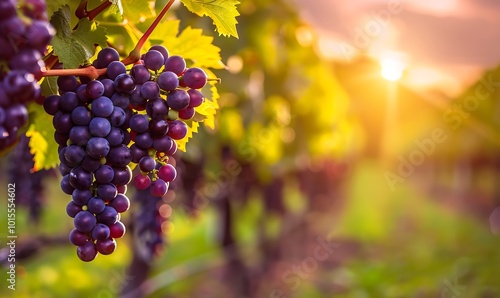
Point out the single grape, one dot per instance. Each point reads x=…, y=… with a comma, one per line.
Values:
x=139, y=123
x=154, y=60
x=72, y=209
x=106, y=247
x=96, y=205
x=67, y=83
x=175, y=64
x=158, y=127
x=121, y=203
x=147, y=164
x=105, y=57
x=167, y=173
x=195, y=78
x=104, y=174
x=142, y=182
x=119, y=156
x=94, y=89
x=178, y=100
x=124, y=83
x=177, y=129
x=168, y=81
x=100, y=232
x=87, y=252
x=115, y=69
x=108, y=216
x=99, y=127
x=78, y=238
x=97, y=147
x=123, y=176
x=102, y=107
x=85, y=221
x=161, y=49
x=187, y=113
x=81, y=197
x=157, y=108
x=150, y=90
x=117, y=230
x=140, y=74
x=158, y=188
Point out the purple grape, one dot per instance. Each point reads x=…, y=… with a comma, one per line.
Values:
x=140, y=74
x=94, y=89
x=195, y=78
x=167, y=173
x=102, y=107
x=87, y=252
x=139, y=123
x=108, y=217
x=97, y=147
x=115, y=69
x=67, y=83
x=78, y=238
x=51, y=104
x=147, y=164
x=158, y=188
x=178, y=100
x=177, y=129
x=104, y=174
x=121, y=203
x=96, y=205
x=150, y=90
x=124, y=83
x=162, y=50
x=99, y=127
x=142, y=182
x=72, y=209
x=85, y=221
x=100, y=232
x=175, y=64
x=106, y=247
x=168, y=81
x=105, y=57
x=153, y=60
x=117, y=230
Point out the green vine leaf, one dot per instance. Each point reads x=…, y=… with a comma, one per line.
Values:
x=74, y=47
x=222, y=12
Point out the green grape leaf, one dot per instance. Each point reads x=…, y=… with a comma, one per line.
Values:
x=42, y=143
x=73, y=47
x=49, y=86
x=222, y=12
x=54, y=5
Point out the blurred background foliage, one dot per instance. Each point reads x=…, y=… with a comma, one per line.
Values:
x=299, y=156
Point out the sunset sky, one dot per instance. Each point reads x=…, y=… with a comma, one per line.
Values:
x=445, y=43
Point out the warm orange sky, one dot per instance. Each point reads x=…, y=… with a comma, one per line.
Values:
x=448, y=42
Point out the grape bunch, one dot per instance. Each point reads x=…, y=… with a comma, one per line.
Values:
x=126, y=116
x=25, y=36
x=92, y=134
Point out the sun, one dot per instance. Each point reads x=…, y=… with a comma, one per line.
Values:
x=392, y=68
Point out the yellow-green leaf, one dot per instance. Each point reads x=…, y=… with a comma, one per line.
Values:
x=222, y=12
x=41, y=133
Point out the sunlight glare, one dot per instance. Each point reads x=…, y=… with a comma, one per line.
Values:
x=392, y=69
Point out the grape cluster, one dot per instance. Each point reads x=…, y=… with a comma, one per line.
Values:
x=126, y=116
x=24, y=39
x=92, y=134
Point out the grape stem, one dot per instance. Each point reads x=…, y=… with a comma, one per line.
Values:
x=217, y=80
x=81, y=11
x=135, y=54
x=96, y=11
x=90, y=72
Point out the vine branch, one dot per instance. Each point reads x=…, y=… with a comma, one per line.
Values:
x=90, y=72
x=135, y=54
